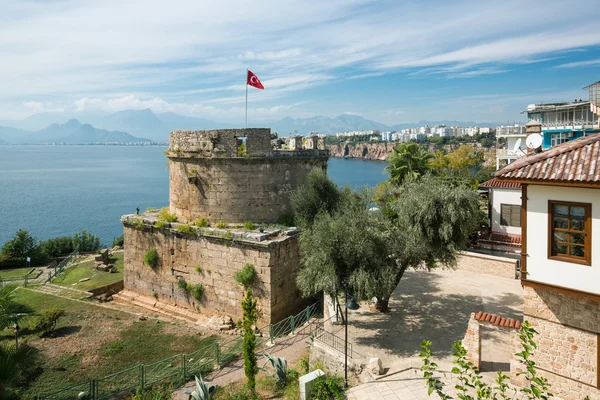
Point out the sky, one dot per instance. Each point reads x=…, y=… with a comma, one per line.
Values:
x=390, y=61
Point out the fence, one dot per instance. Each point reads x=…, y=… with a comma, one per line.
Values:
x=177, y=369
x=331, y=340
x=67, y=262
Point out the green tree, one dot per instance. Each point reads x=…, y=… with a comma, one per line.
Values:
x=408, y=160
x=250, y=315
x=13, y=363
x=85, y=241
x=318, y=194
x=20, y=246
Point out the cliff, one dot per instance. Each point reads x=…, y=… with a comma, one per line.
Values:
x=381, y=151
x=366, y=151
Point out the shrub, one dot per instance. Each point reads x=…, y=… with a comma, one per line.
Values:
x=303, y=363
x=201, y=222
x=155, y=295
x=221, y=225
x=246, y=275
x=184, y=228
x=151, y=258
x=139, y=223
x=197, y=291
x=159, y=224
x=197, y=269
x=151, y=209
x=57, y=247
x=47, y=320
x=160, y=391
x=327, y=387
x=241, y=150
x=287, y=220
x=166, y=216
x=182, y=284
x=118, y=241
x=249, y=225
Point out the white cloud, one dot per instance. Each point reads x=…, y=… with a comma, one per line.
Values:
x=578, y=64
x=353, y=113
x=37, y=107
x=197, y=52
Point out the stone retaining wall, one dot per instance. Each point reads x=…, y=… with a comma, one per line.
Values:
x=483, y=264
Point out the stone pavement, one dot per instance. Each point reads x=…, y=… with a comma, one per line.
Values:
x=404, y=385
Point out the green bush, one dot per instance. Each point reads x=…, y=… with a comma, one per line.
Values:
x=249, y=225
x=166, y=216
x=197, y=269
x=151, y=210
x=327, y=388
x=118, y=241
x=182, y=284
x=201, y=222
x=155, y=295
x=85, y=241
x=159, y=224
x=160, y=391
x=246, y=275
x=47, y=319
x=56, y=247
x=139, y=223
x=303, y=363
x=184, y=228
x=197, y=291
x=287, y=220
x=221, y=225
x=151, y=258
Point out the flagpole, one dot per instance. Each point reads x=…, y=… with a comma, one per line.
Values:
x=246, y=98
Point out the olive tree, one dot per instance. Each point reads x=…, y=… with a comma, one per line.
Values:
x=368, y=250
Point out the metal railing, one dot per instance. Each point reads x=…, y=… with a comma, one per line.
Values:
x=64, y=264
x=180, y=368
x=330, y=340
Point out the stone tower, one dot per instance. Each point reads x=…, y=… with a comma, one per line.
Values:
x=224, y=178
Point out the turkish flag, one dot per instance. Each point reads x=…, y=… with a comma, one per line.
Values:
x=253, y=81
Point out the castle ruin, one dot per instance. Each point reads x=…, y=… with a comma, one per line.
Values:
x=224, y=178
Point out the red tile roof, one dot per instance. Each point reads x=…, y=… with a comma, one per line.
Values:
x=497, y=320
x=576, y=161
x=497, y=183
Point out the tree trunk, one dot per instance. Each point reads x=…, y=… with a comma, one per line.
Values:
x=382, y=304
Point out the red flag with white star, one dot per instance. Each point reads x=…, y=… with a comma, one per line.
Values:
x=252, y=80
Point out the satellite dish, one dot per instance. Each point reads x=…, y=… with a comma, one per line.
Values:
x=517, y=146
x=534, y=141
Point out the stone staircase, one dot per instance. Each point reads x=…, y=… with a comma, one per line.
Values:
x=61, y=291
x=155, y=307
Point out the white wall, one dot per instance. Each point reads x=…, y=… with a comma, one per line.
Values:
x=510, y=145
x=560, y=273
x=504, y=196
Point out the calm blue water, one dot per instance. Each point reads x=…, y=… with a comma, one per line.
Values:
x=59, y=190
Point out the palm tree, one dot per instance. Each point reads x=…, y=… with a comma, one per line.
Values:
x=13, y=361
x=408, y=160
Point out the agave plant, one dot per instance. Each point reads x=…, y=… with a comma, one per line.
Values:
x=279, y=365
x=204, y=391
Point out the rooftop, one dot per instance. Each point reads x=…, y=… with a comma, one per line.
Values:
x=497, y=183
x=576, y=161
x=555, y=106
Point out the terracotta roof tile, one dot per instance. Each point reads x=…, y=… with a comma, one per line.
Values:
x=497, y=183
x=497, y=320
x=573, y=161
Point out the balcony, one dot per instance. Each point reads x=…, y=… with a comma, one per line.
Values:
x=575, y=125
x=509, y=153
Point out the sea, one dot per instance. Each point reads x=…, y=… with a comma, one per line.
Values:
x=59, y=190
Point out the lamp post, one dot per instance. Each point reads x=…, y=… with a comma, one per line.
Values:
x=16, y=328
x=349, y=305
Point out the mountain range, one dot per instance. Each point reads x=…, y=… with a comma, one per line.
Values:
x=71, y=132
x=44, y=127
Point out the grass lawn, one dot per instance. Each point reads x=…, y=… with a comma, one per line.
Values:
x=14, y=273
x=92, y=341
x=85, y=269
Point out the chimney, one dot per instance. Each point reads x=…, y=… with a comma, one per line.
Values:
x=530, y=128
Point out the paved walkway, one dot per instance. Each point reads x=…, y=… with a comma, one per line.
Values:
x=405, y=385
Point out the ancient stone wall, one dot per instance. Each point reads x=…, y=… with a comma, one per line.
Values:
x=568, y=342
x=237, y=189
x=213, y=262
x=472, y=341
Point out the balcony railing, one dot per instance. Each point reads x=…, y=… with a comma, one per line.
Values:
x=509, y=153
x=585, y=123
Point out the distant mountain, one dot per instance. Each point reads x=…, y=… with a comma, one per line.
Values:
x=321, y=124
x=141, y=123
x=72, y=132
x=174, y=121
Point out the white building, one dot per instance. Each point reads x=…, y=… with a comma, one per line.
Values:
x=515, y=148
x=560, y=262
x=504, y=216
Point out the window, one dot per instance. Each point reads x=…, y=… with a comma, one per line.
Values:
x=510, y=215
x=557, y=138
x=569, y=232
